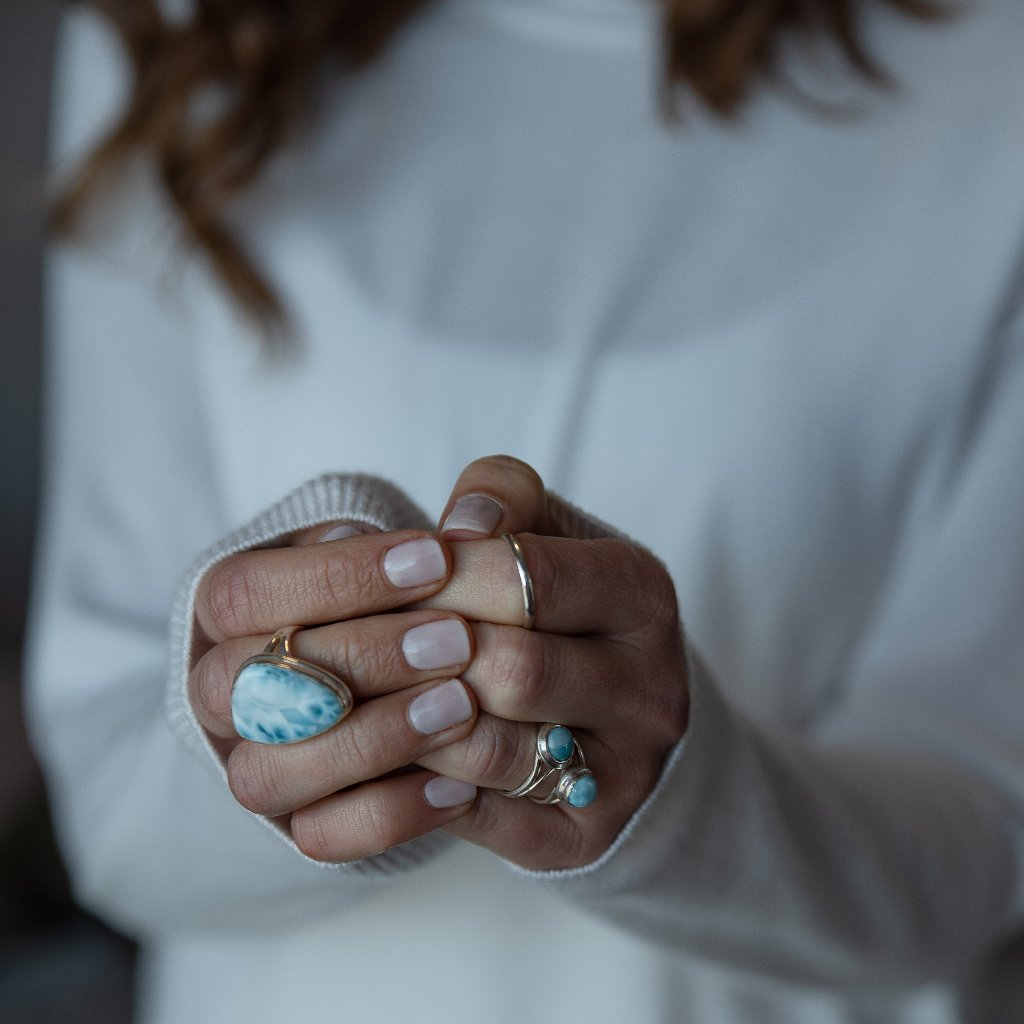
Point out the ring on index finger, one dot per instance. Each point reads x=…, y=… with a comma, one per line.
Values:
x=279, y=698
x=529, y=602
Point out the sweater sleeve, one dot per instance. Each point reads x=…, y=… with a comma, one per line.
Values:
x=152, y=836
x=153, y=840
x=883, y=846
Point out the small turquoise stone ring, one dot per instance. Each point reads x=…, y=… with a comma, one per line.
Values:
x=278, y=698
x=555, y=745
x=577, y=787
x=557, y=756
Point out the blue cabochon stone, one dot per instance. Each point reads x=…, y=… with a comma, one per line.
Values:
x=275, y=704
x=560, y=743
x=582, y=792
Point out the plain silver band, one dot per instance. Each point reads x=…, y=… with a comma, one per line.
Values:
x=529, y=604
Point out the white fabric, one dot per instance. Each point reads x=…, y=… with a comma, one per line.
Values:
x=786, y=353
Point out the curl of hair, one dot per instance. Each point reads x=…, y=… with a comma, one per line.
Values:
x=265, y=56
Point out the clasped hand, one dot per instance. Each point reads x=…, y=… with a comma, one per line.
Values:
x=427, y=630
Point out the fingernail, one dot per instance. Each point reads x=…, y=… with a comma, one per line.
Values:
x=440, y=708
x=340, y=533
x=474, y=512
x=436, y=644
x=415, y=562
x=443, y=792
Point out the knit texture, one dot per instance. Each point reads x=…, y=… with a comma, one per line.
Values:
x=357, y=498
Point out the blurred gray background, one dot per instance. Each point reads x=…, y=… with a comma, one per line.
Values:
x=57, y=964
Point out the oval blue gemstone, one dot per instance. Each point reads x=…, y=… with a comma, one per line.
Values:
x=276, y=704
x=582, y=792
x=559, y=742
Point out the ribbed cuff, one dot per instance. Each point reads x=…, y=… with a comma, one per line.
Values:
x=356, y=497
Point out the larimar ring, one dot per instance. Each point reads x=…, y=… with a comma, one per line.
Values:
x=278, y=698
x=554, y=750
x=576, y=786
x=529, y=604
x=558, y=755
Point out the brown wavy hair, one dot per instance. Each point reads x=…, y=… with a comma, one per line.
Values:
x=265, y=56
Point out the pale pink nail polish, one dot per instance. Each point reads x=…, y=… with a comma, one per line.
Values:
x=475, y=513
x=440, y=708
x=340, y=533
x=442, y=792
x=436, y=644
x=415, y=562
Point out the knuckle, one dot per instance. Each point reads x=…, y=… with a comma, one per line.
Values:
x=668, y=715
x=356, y=754
x=661, y=698
x=312, y=833
x=256, y=780
x=497, y=754
x=376, y=827
x=655, y=593
x=338, y=579
x=231, y=598
x=367, y=659
x=358, y=825
x=523, y=666
x=209, y=685
x=549, y=574
x=663, y=590
x=675, y=711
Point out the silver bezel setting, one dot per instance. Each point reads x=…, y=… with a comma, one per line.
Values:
x=270, y=656
x=546, y=766
x=545, y=751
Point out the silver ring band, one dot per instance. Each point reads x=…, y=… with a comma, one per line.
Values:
x=575, y=786
x=557, y=754
x=553, y=751
x=529, y=603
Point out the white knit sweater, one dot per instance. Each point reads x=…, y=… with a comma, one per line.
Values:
x=786, y=354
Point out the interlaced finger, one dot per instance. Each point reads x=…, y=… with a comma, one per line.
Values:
x=500, y=756
x=580, y=587
x=378, y=815
x=494, y=495
x=260, y=591
x=532, y=676
x=374, y=656
x=378, y=737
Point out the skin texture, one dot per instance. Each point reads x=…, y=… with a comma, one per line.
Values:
x=605, y=658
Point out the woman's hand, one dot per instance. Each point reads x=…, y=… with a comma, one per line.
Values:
x=605, y=658
x=336, y=791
